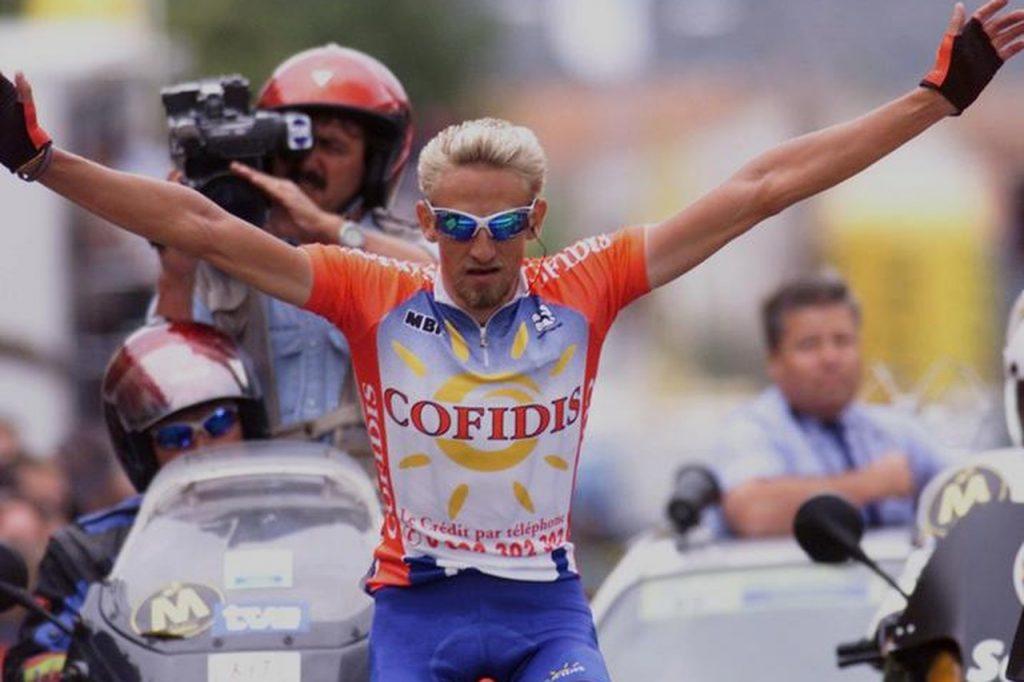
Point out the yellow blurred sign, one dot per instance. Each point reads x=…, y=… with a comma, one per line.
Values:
x=911, y=235
x=119, y=10
x=927, y=296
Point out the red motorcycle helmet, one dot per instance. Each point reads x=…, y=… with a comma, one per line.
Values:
x=164, y=368
x=357, y=86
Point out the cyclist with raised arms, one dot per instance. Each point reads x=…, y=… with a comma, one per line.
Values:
x=475, y=375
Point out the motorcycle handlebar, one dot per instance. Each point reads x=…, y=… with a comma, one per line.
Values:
x=858, y=653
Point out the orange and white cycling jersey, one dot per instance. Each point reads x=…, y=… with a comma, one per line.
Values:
x=476, y=430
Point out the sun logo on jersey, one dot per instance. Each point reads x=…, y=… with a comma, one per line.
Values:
x=513, y=420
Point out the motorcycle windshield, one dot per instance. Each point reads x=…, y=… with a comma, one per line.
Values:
x=245, y=545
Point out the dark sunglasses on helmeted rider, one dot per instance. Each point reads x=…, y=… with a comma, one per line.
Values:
x=181, y=435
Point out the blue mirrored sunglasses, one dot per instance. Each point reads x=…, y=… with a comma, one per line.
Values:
x=183, y=435
x=462, y=227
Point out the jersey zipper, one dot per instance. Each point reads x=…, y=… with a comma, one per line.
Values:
x=483, y=330
x=483, y=327
x=483, y=344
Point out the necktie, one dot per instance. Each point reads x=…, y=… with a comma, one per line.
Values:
x=836, y=429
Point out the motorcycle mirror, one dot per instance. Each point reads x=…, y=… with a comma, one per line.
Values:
x=829, y=530
x=14, y=572
x=14, y=586
x=695, y=489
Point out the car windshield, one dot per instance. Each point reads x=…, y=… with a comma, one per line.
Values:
x=776, y=623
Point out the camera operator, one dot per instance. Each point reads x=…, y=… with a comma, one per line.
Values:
x=337, y=192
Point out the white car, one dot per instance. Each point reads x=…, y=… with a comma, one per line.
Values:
x=745, y=610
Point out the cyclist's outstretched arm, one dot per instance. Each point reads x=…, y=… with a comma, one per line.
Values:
x=968, y=57
x=163, y=212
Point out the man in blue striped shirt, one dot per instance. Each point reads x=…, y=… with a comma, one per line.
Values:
x=807, y=434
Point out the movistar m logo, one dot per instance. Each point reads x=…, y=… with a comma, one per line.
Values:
x=967, y=489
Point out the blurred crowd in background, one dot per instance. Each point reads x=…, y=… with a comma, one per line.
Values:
x=641, y=105
x=42, y=491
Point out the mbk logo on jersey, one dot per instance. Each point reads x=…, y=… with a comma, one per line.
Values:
x=422, y=323
x=988, y=662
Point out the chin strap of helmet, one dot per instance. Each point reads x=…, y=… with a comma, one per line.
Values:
x=965, y=63
x=25, y=148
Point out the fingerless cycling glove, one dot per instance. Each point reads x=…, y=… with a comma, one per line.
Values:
x=25, y=148
x=965, y=63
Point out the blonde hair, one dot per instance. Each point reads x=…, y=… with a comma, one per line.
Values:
x=488, y=141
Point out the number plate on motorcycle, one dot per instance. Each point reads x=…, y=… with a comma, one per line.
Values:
x=256, y=569
x=255, y=666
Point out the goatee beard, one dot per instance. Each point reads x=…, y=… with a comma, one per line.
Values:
x=485, y=298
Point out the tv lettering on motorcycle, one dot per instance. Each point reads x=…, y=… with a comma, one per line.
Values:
x=249, y=618
x=178, y=611
x=255, y=569
x=255, y=666
x=966, y=490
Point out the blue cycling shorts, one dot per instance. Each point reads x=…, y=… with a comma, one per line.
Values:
x=472, y=626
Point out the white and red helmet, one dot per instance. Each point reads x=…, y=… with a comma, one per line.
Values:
x=359, y=87
x=165, y=368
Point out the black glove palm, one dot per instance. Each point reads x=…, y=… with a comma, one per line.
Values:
x=24, y=146
x=965, y=64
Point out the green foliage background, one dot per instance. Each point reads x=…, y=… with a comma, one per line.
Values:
x=435, y=47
